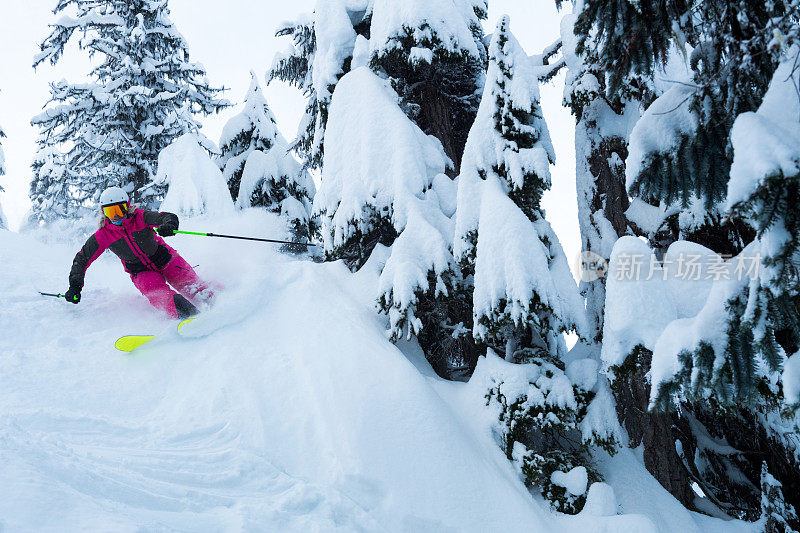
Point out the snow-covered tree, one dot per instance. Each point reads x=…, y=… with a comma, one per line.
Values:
x=433, y=52
x=383, y=183
x=434, y=56
x=775, y=512
x=252, y=129
x=323, y=44
x=259, y=168
x=600, y=152
x=524, y=296
x=628, y=38
x=763, y=322
x=689, y=162
x=142, y=94
x=54, y=193
x=741, y=363
x=677, y=171
x=193, y=183
x=547, y=414
x=603, y=117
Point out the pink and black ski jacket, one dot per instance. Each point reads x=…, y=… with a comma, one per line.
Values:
x=133, y=241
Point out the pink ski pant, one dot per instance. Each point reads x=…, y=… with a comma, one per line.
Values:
x=178, y=273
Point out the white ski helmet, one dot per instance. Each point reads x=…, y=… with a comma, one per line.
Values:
x=113, y=195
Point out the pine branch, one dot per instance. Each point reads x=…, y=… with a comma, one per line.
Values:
x=548, y=72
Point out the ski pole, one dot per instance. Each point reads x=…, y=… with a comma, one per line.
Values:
x=243, y=238
x=56, y=295
x=51, y=294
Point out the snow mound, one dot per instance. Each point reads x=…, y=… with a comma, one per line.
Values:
x=682, y=284
x=600, y=501
x=285, y=408
x=196, y=185
x=631, y=318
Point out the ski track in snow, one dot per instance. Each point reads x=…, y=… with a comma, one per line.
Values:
x=284, y=408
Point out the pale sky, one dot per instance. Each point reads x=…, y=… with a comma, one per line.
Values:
x=230, y=38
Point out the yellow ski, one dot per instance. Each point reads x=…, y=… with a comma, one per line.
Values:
x=130, y=342
x=180, y=326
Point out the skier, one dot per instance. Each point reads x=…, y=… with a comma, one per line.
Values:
x=151, y=263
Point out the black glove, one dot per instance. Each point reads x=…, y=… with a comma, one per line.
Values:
x=73, y=295
x=167, y=230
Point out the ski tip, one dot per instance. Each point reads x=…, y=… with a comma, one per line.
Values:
x=131, y=342
x=180, y=326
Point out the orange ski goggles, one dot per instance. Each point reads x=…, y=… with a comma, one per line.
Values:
x=116, y=211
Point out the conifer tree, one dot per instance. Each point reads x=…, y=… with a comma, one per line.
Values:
x=383, y=184
x=733, y=61
x=628, y=38
x=524, y=293
x=600, y=152
x=55, y=192
x=743, y=366
x=435, y=79
x=524, y=297
x=323, y=44
x=600, y=103
x=731, y=67
x=763, y=317
x=775, y=512
x=259, y=168
x=433, y=52
x=142, y=94
x=680, y=159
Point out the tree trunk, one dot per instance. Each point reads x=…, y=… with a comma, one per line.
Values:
x=436, y=121
x=656, y=431
x=607, y=165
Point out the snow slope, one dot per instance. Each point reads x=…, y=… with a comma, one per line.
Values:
x=285, y=408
